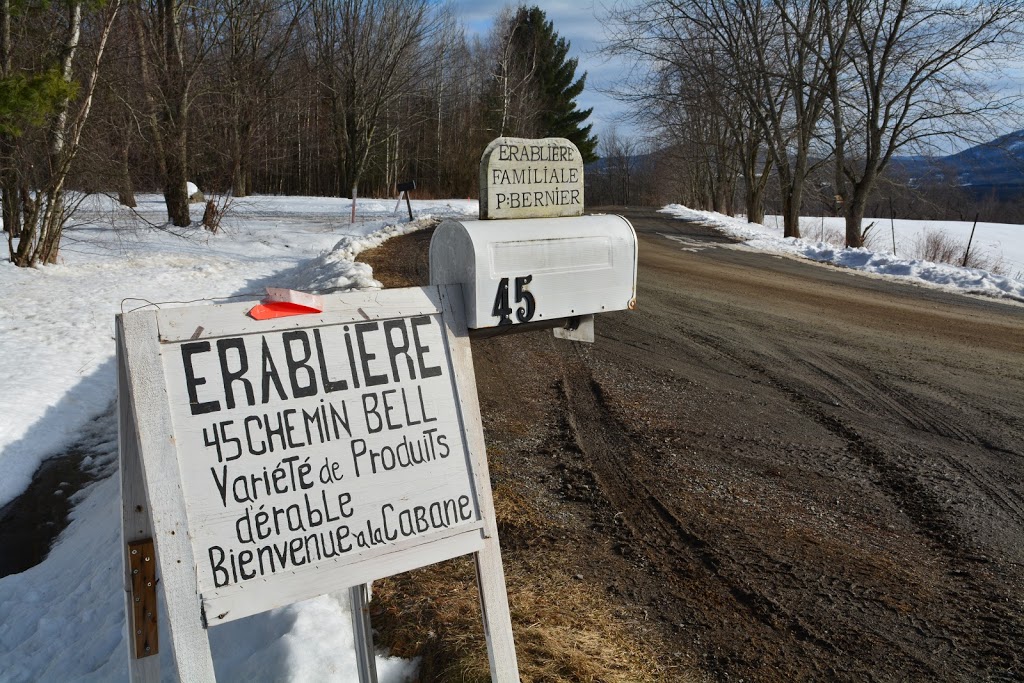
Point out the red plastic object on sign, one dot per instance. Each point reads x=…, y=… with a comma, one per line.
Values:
x=281, y=303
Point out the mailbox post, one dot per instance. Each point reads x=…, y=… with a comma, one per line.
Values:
x=404, y=189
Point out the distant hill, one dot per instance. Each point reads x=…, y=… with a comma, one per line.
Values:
x=994, y=167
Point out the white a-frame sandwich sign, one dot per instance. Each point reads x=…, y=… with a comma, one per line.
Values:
x=268, y=461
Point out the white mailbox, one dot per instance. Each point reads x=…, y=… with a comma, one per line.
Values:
x=539, y=270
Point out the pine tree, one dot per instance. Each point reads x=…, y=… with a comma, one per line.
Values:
x=536, y=59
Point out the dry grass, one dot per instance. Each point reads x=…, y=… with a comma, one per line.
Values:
x=873, y=239
x=940, y=247
x=565, y=629
x=834, y=236
x=931, y=245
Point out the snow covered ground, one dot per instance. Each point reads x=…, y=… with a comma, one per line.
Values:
x=63, y=619
x=1000, y=242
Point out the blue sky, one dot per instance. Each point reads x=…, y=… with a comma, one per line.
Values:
x=578, y=22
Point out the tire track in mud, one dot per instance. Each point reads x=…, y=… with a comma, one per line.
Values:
x=672, y=547
x=841, y=385
x=921, y=505
x=881, y=400
x=846, y=387
x=930, y=518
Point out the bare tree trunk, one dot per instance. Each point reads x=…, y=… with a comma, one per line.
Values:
x=239, y=156
x=753, y=200
x=788, y=187
x=756, y=189
x=8, y=174
x=175, y=115
x=855, y=207
x=9, y=188
x=24, y=256
x=239, y=179
x=854, y=221
x=146, y=77
x=176, y=179
x=125, y=191
x=792, y=199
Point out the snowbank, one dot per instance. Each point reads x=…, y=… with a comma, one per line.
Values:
x=1005, y=240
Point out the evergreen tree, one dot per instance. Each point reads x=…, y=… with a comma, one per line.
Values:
x=535, y=70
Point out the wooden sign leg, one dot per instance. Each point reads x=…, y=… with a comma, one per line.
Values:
x=501, y=647
x=135, y=522
x=152, y=499
x=362, y=633
x=490, y=575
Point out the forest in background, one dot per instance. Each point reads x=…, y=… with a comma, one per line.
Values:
x=303, y=97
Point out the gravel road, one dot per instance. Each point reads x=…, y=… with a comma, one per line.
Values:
x=778, y=470
x=822, y=473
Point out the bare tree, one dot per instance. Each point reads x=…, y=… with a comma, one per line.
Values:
x=514, y=100
x=284, y=96
x=786, y=86
x=256, y=39
x=367, y=56
x=612, y=182
x=175, y=38
x=718, y=92
x=917, y=71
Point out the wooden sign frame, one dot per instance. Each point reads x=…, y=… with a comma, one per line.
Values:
x=154, y=501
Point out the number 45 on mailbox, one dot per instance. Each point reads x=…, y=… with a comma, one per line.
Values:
x=531, y=273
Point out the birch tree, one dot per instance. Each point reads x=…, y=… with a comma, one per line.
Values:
x=35, y=183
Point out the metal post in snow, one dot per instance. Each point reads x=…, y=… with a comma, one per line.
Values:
x=892, y=225
x=970, y=239
x=366, y=663
x=406, y=188
x=354, y=192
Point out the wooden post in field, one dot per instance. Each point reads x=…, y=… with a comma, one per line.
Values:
x=970, y=240
x=892, y=225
